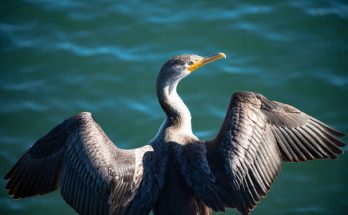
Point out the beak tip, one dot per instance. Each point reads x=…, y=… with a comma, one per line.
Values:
x=222, y=54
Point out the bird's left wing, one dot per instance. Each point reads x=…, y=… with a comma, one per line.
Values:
x=256, y=135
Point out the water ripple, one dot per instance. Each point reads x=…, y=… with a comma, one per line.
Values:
x=245, y=10
x=334, y=8
x=120, y=53
x=241, y=70
x=9, y=28
x=26, y=85
x=261, y=31
x=25, y=105
x=311, y=210
x=86, y=51
x=333, y=79
x=58, y=5
x=126, y=54
x=338, y=11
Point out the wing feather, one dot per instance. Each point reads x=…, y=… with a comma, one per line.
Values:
x=95, y=177
x=195, y=169
x=256, y=135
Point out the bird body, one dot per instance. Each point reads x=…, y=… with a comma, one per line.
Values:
x=175, y=173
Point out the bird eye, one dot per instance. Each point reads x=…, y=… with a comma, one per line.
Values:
x=190, y=63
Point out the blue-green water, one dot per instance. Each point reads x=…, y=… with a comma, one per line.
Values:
x=58, y=58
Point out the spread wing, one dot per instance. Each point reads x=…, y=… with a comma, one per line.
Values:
x=256, y=135
x=95, y=177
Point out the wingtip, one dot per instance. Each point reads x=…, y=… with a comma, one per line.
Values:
x=331, y=129
x=6, y=177
x=9, y=174
x=7, y=187
x=339, y=133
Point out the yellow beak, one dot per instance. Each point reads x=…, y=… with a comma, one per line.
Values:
x=198, y=63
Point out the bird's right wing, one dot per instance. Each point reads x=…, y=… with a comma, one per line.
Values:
x=95, y=177
x=256, y=136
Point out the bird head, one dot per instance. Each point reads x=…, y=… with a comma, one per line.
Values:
x=178, y=67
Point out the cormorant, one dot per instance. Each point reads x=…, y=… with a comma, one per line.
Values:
x=176, y=173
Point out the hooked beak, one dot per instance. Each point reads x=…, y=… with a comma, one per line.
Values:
x=198, y=63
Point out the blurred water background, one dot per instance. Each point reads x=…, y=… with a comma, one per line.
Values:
x=58, y=58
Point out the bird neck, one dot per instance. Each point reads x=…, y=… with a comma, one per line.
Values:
x=177, y=113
